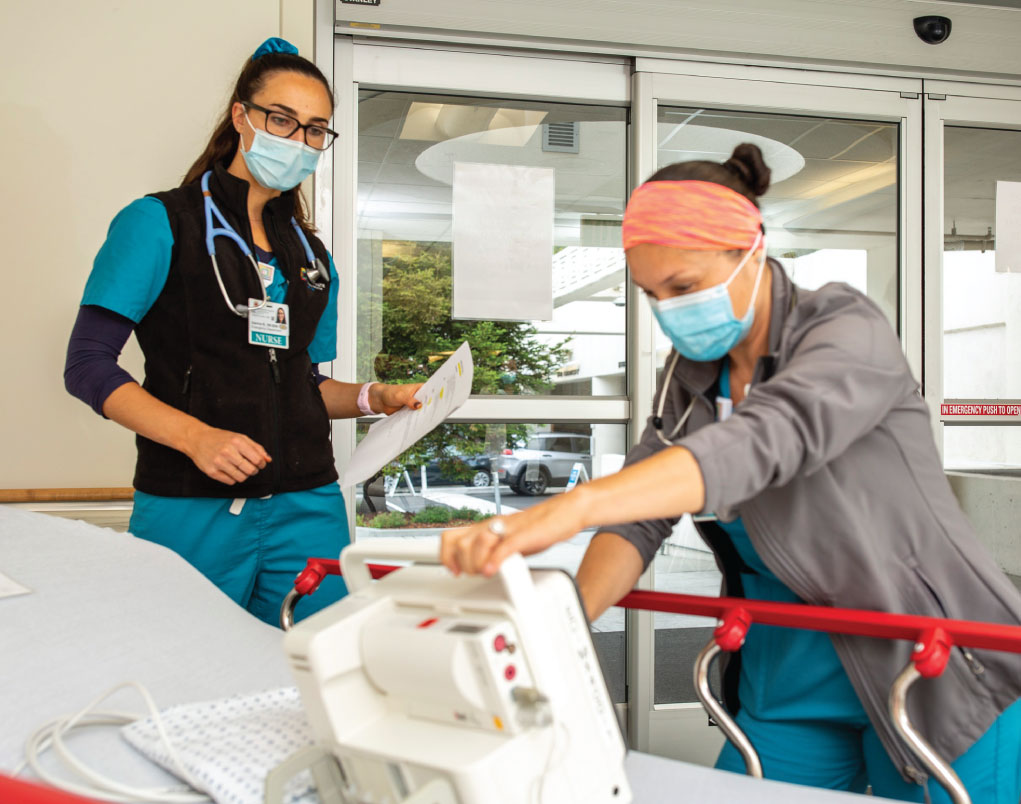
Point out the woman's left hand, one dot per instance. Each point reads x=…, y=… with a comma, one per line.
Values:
x=391, y=398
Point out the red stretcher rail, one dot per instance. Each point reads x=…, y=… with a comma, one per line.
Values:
x=858, y=622
x=16, y=791
x=933, y=639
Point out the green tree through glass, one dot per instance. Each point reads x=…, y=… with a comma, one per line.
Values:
x=418, y=334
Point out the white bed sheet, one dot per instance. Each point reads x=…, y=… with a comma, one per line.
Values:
x=106, y=607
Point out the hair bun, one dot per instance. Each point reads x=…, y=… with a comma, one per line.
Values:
x=747, y=163
x=274, y=45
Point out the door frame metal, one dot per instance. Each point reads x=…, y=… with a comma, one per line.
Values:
x=970, y=106
x=681, y=729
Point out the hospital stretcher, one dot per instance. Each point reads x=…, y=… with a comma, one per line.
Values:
x=933, y=638
x=106, y=606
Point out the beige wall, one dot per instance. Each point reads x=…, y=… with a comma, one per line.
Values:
x=102, y=102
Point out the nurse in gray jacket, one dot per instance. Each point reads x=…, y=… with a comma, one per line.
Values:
x=792, y=415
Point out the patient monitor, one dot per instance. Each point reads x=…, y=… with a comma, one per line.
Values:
x=427, y=688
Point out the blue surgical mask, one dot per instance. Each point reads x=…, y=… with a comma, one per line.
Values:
x=702, y=325
x=279, y=163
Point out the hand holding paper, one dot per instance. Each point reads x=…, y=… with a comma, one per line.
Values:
x=441, y=395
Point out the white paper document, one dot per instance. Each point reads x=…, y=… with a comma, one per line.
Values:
x=503, y=242
x=10, y=587
x=443, y=393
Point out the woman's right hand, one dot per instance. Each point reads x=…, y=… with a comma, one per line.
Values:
x=226, y=456
x=482, y=547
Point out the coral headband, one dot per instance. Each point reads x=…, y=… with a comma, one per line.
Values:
x=692, y=215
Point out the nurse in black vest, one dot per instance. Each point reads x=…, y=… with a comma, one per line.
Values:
x=234, y=303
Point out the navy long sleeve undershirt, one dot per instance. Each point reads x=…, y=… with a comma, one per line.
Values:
x=91, y=372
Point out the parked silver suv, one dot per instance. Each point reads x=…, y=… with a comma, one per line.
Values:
x=544, y=460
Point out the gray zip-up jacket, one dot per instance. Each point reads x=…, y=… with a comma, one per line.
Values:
x=831, y=463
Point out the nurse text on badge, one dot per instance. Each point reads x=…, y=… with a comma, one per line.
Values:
x=269, y=324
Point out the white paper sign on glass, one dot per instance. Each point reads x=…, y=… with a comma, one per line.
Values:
x=502, y=242
x=442, y=394
x=1008, y=227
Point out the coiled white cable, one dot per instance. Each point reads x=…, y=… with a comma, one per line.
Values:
x=52, y=735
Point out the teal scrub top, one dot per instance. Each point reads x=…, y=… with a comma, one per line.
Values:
x=786, y=673
x=132, y=266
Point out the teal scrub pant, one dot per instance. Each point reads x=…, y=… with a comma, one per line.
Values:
x=848, y=757
x=253, y=556
x=804, y=719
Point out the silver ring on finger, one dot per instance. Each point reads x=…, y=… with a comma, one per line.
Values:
x=497, y=527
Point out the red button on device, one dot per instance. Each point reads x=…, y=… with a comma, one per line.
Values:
x=509, y=672
x=500, y=643
x=427, y=623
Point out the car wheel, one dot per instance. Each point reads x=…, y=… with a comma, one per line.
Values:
x=537, y=484
x=481, y=480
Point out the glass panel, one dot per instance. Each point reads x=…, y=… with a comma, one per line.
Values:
x=989, y=449
x=461, y=472
x=407, y=146
x=684, y=565
x=830, y=215
x=831, y=211
x=981, y=307
x=459, y=464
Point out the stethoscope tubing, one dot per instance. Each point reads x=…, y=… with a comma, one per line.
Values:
x=657, y=420
x=314, y=274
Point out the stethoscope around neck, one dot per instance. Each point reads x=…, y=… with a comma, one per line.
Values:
x=657, y=420
x=316, y=276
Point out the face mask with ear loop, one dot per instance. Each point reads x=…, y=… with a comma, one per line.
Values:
x=282, y=164
x=277, y=162
x=693, y=214
x=702, y=325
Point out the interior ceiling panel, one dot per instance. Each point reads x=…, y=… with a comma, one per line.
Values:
x=997, y=3
x=845, y=174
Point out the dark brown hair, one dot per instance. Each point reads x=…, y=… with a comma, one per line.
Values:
x=745, y=172
x=224, y=142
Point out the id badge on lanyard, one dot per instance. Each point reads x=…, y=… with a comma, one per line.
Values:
x=269, y=324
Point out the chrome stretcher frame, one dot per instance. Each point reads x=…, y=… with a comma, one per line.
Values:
x=933, y=638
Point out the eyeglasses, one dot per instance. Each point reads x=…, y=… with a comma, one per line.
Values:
x=283, y=125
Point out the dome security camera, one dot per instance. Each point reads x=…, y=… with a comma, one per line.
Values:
x=932, y=30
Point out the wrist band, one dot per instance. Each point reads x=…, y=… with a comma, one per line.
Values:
x=363, y=400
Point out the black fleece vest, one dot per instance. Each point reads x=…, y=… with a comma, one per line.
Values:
x=198, y=359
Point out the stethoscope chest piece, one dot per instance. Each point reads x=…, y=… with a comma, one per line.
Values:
x=316, y=277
